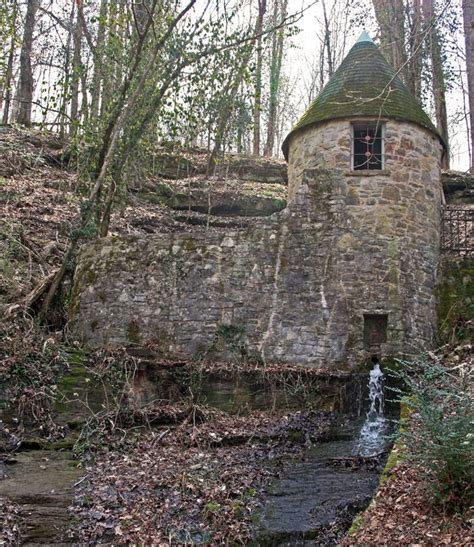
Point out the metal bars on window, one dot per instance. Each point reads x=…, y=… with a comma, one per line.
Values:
x=367, y=146
x=457, y=231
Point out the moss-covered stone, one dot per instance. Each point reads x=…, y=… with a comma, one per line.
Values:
x=455, y=298
x=363, y=85
x=133, y=333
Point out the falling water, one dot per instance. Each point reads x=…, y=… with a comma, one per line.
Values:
x=372, y=435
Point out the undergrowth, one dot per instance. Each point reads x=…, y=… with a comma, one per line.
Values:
x=439, y=438
x=30, y=365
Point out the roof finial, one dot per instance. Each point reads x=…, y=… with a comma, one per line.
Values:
x=364, y=37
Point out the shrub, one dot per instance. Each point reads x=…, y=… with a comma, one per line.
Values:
x=440, y=436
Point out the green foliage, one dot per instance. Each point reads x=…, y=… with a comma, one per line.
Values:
x=8, y=16
x=455, y=300
x=233, y=337
x=439, y=437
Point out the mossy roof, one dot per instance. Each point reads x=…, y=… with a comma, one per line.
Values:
x=363, y=85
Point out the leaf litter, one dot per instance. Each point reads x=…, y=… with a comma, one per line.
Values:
x=200, y=482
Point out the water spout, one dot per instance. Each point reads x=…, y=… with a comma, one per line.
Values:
x=372, y=435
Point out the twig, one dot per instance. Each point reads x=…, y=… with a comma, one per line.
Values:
x=80, y=481
x=160, y=437
x=38, y=291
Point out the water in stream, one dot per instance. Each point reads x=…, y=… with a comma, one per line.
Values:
x=314, y=501
x=372, y=437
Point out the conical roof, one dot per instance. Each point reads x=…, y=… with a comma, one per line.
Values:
x=363, y=85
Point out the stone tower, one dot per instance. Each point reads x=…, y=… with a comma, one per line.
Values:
x=347, y=271
x=383, y=154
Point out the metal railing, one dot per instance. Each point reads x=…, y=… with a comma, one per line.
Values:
x=457, y=231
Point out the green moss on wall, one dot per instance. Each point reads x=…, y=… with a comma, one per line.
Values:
x=189, y=244
x=133, y=333
x=455, y=298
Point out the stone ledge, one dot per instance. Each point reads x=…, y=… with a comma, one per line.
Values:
x=367, y=173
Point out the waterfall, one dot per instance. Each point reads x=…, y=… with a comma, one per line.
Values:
x=372, y=435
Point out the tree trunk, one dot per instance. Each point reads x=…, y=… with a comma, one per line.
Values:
x=108, y=69
x=24, y=96
x=67, y=76
x=9, y=71
x=390, y=15
x=97, y=77
x=228, y=101
x=414, y=66
x=327, y=41
x=84, y=114
x=468, y=17
x=124, y=107
x=76, y=76
x=275, y=72
x=262, y=7
x=438, y=79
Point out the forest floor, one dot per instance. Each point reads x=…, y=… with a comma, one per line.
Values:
x=202, y=474
x=200, y=482
x=402, y=513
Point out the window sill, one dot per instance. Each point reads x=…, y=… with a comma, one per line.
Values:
x=368, y=173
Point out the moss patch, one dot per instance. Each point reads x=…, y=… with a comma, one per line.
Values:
x=455, y=298
x=189, y=244
x=133, y=333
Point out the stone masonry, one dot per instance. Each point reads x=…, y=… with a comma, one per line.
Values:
x=353, y=251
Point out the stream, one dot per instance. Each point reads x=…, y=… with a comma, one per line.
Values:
x=309, y=504
x=317, y=498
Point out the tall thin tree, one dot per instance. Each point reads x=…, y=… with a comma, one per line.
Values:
x=437, y=76
x=390, y=15
x=279, y=15
x=468, y=18
x=24, y=94
x=262, y=7
x=7, y=84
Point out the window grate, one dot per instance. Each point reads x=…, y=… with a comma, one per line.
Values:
x=457, y=231
x=367, y=146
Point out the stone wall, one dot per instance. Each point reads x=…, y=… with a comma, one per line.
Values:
x=295, y=286
x=458, y=188
x=455, y=297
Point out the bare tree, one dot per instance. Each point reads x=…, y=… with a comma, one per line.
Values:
x=262, y=7
x=279, y=15
x=390, y=15
x=76, y=75
x=438, y=77
x=63, y=117
x=468, y=17
x=7, y=84
x=327, y=40
x=97, y=50
x=415, y=40
x=24, y=95
x=127, y=96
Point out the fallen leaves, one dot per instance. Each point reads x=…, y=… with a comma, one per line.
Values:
x=402, y=514
x=9, y=529
x=192, y=485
